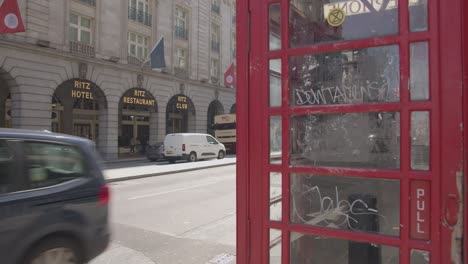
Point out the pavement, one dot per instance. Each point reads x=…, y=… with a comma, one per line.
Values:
x=148, y=169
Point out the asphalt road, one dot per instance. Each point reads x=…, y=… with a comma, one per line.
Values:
x=178, y=218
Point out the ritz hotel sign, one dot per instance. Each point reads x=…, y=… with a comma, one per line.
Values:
x=82, y=90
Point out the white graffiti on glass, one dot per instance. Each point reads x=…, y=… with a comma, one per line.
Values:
x=334, y=211
x=345, y=94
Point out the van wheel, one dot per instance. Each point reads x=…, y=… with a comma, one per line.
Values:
x=171, y=161
x=221, y=154
x=192, y=157
x=57, y=249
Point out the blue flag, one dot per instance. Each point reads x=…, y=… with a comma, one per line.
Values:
x=157, y=55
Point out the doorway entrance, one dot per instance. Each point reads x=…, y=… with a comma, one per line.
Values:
x=137, y=110
x=180, y=115
x=345, y=111
x=76, y=106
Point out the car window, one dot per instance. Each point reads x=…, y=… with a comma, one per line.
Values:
x=211, y=140
x=7, y=167
x=50, y=164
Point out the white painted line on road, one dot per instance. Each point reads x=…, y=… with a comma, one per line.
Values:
x=171, y=191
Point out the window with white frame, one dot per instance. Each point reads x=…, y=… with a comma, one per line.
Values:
x=139, y=10
x=214, y=68
x=215, y=32
x=180, y=58
x=180, y=23
x=80, y=29
x=139, y=5
x=138, y=45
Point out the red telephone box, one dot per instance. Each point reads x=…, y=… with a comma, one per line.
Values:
x=350, y=131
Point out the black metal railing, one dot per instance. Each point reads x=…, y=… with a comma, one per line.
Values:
x=82, y=48
x=181, y=33
x=140, y=16
x=180, y=71
x=215, y=46
x=215, y=8
x=89, y=2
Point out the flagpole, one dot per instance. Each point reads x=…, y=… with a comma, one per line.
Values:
x=149, y=54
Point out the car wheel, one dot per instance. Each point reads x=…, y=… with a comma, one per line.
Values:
x=55, y=250
x=221, y=154
x=192, y=157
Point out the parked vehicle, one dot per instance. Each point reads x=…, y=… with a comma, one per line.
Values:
x=53, y=199
x=192, y=147
x=155, y=152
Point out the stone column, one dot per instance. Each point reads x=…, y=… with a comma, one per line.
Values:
x=154, y=128
x=107, y=141
x=31, y=110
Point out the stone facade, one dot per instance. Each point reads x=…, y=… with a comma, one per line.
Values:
x=35, y=63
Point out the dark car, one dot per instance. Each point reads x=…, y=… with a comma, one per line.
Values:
x=155, y=152
x=53, y=199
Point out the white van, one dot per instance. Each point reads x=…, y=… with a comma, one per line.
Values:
x=192, y=146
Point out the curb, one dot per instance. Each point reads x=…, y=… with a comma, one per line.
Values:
x=134, y=177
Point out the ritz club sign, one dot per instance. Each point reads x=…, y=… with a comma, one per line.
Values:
x=182, y=102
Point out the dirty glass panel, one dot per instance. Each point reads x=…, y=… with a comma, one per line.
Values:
x=313, y=22
x=420, y=257
x=346, y=203
x=275, y=196
x=419, y=71
x=320, y=250
x=275, y=246
x=275, y=139
x=418, y=15
x=362, y=140
x=420, y=140
x=358, y=76
x=275, y=26
x=275, y=82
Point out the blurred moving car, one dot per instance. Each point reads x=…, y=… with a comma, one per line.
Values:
x=53, y=199
x=155, y=152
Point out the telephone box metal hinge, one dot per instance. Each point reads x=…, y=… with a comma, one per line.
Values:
x=249, y=37
x=249, y=239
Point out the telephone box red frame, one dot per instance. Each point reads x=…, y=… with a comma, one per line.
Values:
x=447, y=105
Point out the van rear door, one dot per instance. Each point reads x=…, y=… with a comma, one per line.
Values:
x=173, y=145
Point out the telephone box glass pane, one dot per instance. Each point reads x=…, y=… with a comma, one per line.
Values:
x=420, y=257
x=418, y=15
x=275, y=196
x=346, y=203
x=275, y=26
x=275, y=83
x=275, y=246
x=319, y=250
x=419, y=71
x=420, y=140
x=314, y=22
x=275, y=140
x=362, y=140
x=361, y=76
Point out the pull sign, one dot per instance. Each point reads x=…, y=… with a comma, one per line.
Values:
x=420, y=208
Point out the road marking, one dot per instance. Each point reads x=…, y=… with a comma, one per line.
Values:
x=171, y=191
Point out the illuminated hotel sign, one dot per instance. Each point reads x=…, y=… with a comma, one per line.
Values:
x=139, y=97
x=182, y=102
x=358, y=7
x=82, y=90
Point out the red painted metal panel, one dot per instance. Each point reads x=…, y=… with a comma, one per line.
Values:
x=451, y=162
x=242, y=179
x=465, y=123
x=420, y=210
